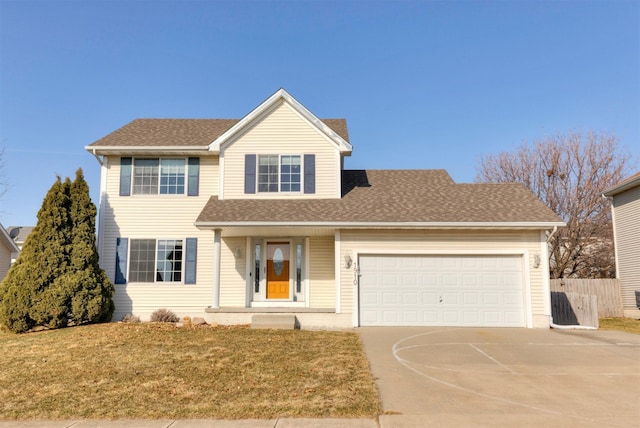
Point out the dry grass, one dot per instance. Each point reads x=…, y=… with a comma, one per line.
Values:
x=628, y=325
x=155, y=371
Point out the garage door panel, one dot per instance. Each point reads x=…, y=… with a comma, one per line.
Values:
x=441, y=290
x=471, y=298
x=450, y=279
x=429, y=280
x=449, y=298
x=410, y=298
x=491, y=299
x=429, y=298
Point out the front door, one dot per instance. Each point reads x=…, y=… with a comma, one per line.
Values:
x=278, y=256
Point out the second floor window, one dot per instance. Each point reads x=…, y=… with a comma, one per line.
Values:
x=279, y=173
x=158, y=176
x=293, y=174
x=153, y=176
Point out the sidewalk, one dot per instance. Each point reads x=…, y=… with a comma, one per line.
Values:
x=196, y=423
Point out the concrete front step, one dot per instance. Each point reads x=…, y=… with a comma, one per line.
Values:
x=283, y=322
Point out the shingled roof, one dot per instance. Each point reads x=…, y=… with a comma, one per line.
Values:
x=183, y=132
x=409, y=197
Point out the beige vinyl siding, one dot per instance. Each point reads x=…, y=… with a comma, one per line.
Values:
x=322, y=284
x=283, y=132
x=5, y=260
x=626, y=207
x=446, y=242
x=233, y=285
x=158, y=217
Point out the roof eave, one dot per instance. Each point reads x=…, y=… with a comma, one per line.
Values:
x=106, y=150
x=624, y=186
x=384, y=225
x=7, y=239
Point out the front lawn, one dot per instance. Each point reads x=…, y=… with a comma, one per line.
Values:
x=629, y=325
x=153, y=370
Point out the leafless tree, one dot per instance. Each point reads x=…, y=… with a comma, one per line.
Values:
x=569, y=172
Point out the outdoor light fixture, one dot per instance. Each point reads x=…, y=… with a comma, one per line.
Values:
x=347, y=261
x=536, y=260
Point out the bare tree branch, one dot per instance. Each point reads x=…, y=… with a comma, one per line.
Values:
x=569, y=172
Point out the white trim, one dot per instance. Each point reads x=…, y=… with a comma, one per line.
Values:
x=249, y=253
x=102, y=209
x=623, y=186
x=152, y=149
x=546, y=282
x=279, y=96
x=615, y=236
x=338, y=175
x=337, y=265
x=217, y=241
x=306, y=268
x=221, y=175
x=523, y=254
x=382, y=225
x=526, y=278
x=261, y=296
x=10, y=242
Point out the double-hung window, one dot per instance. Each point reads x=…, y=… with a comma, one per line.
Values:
x=279, y=173
x=151, y=260
x=159, y=176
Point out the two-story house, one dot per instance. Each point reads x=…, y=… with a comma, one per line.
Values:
x=625, y=214
x=225, y=219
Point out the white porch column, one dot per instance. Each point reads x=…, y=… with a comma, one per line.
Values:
x=215, y=298
x=337, y=266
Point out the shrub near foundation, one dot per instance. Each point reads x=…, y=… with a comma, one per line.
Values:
x=164, y=315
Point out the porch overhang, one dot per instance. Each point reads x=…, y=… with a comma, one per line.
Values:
x=271, y=229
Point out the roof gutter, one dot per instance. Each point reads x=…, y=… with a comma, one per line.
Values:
x=383, y=225
x=154, y=149
x=625, y=185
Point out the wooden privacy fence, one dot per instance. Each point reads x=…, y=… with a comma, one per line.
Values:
x=570, y=297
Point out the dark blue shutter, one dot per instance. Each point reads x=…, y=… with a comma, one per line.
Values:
x=193, y=174
x=190, y=261
x=309, y=173
x=122, y=245
x=125, y=176
x=249, y=173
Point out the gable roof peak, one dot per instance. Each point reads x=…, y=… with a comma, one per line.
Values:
x=281, y=95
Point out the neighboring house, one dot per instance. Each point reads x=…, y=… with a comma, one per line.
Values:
x=229, y=218
x=7, y=249
x=19, y=235
x=625, y=213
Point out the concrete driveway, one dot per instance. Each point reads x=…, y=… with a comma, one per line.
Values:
x=505, y=377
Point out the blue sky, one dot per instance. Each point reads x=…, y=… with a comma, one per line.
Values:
x=422, y=84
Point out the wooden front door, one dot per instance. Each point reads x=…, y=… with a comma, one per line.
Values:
x=278, y=257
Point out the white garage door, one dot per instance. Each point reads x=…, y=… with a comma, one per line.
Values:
x=402, y=290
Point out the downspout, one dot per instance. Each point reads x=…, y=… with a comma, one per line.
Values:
x=566, y=327
x=100, y=161
x=101, y=206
